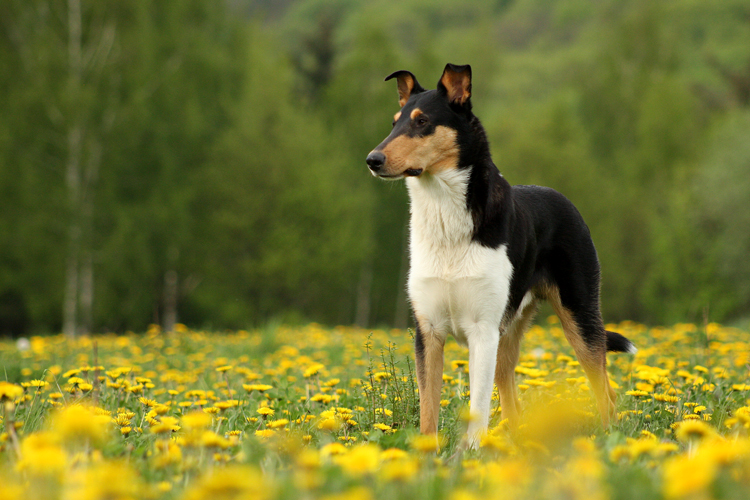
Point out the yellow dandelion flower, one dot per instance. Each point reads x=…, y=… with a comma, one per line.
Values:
x=195, y=420
x=42, y=455
x=135, y=389
x=427, y=443
x=637, y=393
x=225, y=405
x=666, y=398
x=265, y=411
x=225, y=368
x=313, y=370
x=9, y=392
x=332, y=449
x=693, y=430
x=168, y=453
x=458, y=363
x=322, y=398
x=278, y=424
x=77, y=424
x=329, y=424
x=360, y=460
x=231, y=481
x=257, y=387
x=265, y=433
x=211, y=439
x=166, y=425
x=112, y=480
x=686, y=476
x=121, y=420
x=393, y=454
x=38, y=384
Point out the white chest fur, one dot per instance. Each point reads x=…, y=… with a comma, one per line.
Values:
x=455, y=285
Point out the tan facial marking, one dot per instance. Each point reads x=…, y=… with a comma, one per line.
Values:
x=397, y=116
x=432, y=153
x=415, y=113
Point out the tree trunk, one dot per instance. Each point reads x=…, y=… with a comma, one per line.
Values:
x=86, y=295
x=170, y=299
x=73, y=174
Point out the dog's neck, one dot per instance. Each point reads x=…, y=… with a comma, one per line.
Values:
x=439, y=211
x=459, y=205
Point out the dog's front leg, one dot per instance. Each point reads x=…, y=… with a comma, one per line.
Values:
x=483, y=342
x=429, y=356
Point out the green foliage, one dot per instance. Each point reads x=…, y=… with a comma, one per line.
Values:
x=218, y=152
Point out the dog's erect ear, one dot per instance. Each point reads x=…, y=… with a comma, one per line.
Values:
x=407, y=85
x=456, y=83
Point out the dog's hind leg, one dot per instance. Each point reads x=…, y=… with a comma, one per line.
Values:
x=508, y=352
x=429, y=357
x=585, y=333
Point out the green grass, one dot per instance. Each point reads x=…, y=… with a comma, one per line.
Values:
x=345, y=418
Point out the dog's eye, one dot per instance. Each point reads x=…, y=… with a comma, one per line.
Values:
x=421, y=121
x=393, y=124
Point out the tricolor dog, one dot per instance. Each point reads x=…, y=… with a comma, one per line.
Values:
x=483, y=253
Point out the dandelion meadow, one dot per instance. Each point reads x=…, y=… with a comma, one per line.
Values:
x=309, y=412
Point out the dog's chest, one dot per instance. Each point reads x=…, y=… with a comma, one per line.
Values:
x=453, y=282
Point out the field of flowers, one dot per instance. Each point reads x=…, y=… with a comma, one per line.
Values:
x=308, y=412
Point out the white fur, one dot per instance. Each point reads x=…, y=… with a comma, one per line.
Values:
x=457, y=286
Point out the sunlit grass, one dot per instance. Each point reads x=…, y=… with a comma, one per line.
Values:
x=312, y=412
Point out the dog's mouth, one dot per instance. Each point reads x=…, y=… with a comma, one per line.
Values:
x=409, y=172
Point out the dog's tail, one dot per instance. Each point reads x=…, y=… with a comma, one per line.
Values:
x=618, y=343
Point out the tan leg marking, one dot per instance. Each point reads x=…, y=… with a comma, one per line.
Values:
x=429, y=379
x=508, y=352
x=593, y=359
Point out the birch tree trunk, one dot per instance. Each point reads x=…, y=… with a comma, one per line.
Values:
x=73, y=174
x=170, y=299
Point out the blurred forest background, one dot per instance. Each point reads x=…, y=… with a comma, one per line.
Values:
x=202, y=161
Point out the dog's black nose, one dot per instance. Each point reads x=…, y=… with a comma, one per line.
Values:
x=375, y=161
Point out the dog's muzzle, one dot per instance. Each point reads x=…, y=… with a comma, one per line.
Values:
x=376, y=161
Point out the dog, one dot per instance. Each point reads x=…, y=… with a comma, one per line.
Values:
x=483, y=253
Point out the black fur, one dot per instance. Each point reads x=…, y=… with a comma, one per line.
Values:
x=419, y=347
x=618, y=343
x=547, y=240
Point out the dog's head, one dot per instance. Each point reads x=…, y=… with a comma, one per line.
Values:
x=427, y=131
